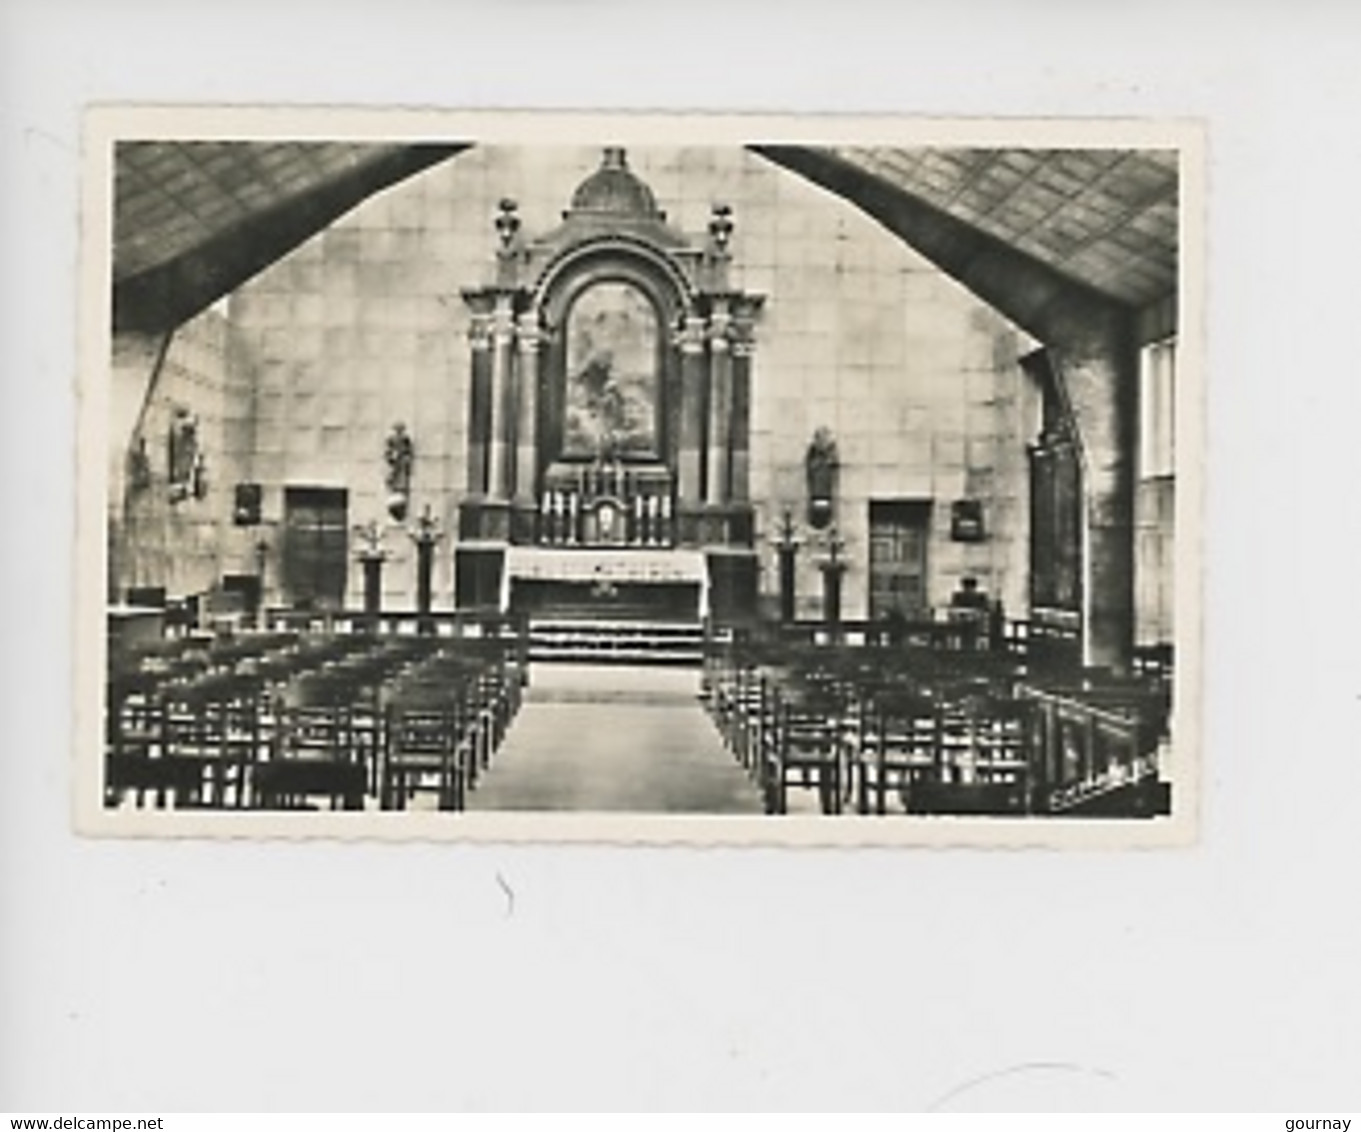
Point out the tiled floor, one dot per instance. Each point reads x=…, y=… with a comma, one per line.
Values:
x=614, y=738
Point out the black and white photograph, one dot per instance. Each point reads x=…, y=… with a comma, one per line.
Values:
x=656, y=478
x=576, y=557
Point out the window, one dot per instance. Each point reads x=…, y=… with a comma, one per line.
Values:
x=1157, y=393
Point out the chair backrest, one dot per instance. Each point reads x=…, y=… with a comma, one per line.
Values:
x=320, y=689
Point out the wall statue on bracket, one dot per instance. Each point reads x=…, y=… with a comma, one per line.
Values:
x=820, y=466
x=400, y=454
x=186, y=475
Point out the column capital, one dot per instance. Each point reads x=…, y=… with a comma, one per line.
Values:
x=746, y=308
x=480, y=332
x=690, y=337
x=720, y=324
x=503, y=324
x=528, y=331
x=502, y=313
x=743, y=339
x=481, y=302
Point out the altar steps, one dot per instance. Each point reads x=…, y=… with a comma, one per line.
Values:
x=596, y=641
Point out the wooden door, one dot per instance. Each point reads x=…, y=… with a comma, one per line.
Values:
x=899, y=533
x=315, y=547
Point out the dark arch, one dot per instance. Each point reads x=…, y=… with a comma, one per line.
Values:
x=163, y=297
x=640, y=257
x=1019, y=286
x=1033, y=295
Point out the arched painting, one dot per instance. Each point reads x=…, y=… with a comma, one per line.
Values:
x=612, y=374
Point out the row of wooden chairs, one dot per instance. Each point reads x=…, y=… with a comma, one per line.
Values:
x=881, y=731
x=905, y=753
x=330, y=722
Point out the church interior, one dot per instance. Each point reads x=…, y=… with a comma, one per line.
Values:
x=754, y=479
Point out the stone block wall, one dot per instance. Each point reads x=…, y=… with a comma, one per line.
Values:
x=362, y=326
x=186, y=545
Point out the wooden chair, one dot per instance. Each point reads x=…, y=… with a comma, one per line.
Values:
x=900, y=751
x=316, y=755
x=134, y=714
x=293, y=784
x=176, y=779
x=193, y=733
x=808, y=750
x=979, y=799
x=429, y=748
x=1001, y=737
x=982, y=757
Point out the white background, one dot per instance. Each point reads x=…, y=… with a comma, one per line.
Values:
x=191, y=975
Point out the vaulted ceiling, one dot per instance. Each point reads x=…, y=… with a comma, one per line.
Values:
x=170, y=197
x=194, y=220
x=1106, y=217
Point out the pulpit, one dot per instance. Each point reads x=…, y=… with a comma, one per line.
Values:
x=610, y=388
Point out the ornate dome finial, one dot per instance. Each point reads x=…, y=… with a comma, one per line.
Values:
x=614, y=189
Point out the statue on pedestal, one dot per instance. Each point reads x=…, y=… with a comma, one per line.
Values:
x=186, y=475
x=400, y=454
x=820, y=465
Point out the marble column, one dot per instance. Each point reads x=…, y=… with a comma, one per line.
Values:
x=527, y=409
x=743, y=347
x=691, y=454
x=500, y=442
x=717, y=483
x=479, y=391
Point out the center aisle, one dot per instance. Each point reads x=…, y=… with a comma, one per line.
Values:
x=611, y=737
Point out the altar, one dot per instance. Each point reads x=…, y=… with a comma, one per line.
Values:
x=637, y=584
x=609, y=415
